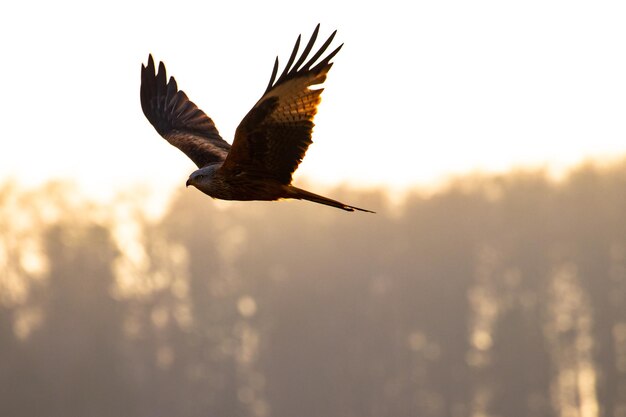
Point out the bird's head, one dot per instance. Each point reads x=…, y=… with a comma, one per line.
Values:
x=202, y=176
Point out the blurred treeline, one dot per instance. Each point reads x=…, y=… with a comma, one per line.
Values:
x=495, y=296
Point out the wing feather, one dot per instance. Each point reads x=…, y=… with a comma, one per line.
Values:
x=274, y=136
x=308, y=47
x=178, y=119
x=291, y=58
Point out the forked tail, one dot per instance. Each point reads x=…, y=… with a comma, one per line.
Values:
x=300, y=194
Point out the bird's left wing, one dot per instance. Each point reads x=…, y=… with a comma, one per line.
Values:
x=178, y=119
x=274, y=136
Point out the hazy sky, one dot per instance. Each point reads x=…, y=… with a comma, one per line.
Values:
x=421, y=90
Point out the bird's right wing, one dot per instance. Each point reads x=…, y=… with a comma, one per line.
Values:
x=178, y=119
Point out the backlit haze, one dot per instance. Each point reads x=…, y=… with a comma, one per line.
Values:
x=420, y=92
x=493, y=296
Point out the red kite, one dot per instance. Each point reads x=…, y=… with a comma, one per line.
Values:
x=269, y=143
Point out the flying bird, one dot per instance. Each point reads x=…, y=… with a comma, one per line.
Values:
x=269, y=142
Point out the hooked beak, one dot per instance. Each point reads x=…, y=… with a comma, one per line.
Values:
x=188, y=183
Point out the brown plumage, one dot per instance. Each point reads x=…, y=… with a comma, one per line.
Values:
x=270, y=141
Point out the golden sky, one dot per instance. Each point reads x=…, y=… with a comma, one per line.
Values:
x=421, y=90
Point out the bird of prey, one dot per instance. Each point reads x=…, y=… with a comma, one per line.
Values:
x=269, y=142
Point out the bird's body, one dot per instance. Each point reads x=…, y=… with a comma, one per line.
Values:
x=269, y=143
x=241, y=186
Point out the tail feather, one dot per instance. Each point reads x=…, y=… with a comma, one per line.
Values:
x=301, y=194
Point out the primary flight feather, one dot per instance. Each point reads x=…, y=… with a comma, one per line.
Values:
x=270, y=141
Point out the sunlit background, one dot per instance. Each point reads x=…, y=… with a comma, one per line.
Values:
x=482, y=287
x=420, y=91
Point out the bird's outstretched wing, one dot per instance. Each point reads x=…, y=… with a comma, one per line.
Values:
x=274, y=136
x=178, y=119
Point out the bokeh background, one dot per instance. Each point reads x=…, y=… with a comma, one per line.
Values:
x=489, y=137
